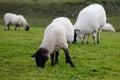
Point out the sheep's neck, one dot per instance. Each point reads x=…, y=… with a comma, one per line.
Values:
x=48, y=44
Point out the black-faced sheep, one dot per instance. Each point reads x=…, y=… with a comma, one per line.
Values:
x=58, y=35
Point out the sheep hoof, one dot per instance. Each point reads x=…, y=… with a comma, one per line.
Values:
x=56, y=62
x=67, y=61
x=87, y=42
x=72, y=65
x=52, y=65
x=98, y=42
x=82, y=42
x=94, y=43
x=73, y=41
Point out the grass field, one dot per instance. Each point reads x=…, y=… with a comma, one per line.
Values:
x=93, y=62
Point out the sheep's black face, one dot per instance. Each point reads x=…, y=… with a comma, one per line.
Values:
x=41, y=60
x=27, y=28
x=41, y=57
x=75, y=35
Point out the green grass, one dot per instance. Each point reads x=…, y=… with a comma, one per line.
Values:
x=93, y=62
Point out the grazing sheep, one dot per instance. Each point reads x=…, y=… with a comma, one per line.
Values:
x=90, y=21
x=108, y=27
x=17, y=20
x=58, y=35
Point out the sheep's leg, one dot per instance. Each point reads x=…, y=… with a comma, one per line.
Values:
x=8, y=26
x=56, y=57
x=83, y=38
x=68, y=59
x=5, y=27
x=75, y=36
x=94, y=38
x=98, y=37
x=52, y=59
x=87, y=42
x=16, y=27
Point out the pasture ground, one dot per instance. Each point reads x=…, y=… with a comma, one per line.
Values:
x=93, y=62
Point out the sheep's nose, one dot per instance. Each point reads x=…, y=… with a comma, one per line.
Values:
x=27, y=28
x=42, y=66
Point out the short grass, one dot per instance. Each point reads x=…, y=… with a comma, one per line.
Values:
x=93, y=62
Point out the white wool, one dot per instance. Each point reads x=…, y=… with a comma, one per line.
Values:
x=90, y=20
x=108, y=27
x=59, y=34
x=10, y=18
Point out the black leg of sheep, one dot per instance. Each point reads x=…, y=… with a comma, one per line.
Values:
x=68, y=59
x=52, y=59
x=56, y=57
x=75, y=35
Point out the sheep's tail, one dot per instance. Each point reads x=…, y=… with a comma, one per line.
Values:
x=108, y=27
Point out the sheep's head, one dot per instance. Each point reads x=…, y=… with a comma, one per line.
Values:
x=77, y=35
x=27, y=28
x=41, y=56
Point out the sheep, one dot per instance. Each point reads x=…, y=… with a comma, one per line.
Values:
x=58, y=35
x=108, y=27
x=17, y=20
x=90, y=21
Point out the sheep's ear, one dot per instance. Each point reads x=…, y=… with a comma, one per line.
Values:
x=33, y=55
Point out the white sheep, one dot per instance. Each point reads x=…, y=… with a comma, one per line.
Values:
x=90, y=21
x=17, y=20
x=108, y=27
x=58, y=35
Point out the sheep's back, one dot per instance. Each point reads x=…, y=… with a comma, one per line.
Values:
x=65, y=25
x=91, y=17
x=58, y=34
x=54, y=38
x=21, y=20
x=10, y=18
